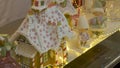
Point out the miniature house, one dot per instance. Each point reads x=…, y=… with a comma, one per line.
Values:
x=38, y=48
x=29, y=57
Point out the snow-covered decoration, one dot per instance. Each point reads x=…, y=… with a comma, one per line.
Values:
x=26, y=50
x=44, y=31
x=65, y=6
x=83, y=22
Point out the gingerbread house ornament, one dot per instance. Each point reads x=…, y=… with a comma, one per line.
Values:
x=44, y=30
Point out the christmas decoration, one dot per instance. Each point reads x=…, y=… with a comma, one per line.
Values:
x=44, y=30
x=84, y=33
x=47, y=30
x=5, y=54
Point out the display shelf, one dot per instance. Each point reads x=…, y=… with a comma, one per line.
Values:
x=111, y=28
x=105, y=54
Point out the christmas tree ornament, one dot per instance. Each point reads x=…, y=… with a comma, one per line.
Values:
x=45, y=30
x=43, y=36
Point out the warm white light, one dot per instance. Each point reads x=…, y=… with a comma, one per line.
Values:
x=61, y=59
x=67, y=46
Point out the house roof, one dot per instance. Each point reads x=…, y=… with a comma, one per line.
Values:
x=26, y=50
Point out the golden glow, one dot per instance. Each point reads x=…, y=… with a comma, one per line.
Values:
x=93, y=43
x=61, y=59
x=33, y=64
x=15, y=42
x=33, y=60
x=3, y=34
x=119, y=29
x=67, y=46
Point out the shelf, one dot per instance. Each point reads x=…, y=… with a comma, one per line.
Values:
x=106, y=54
x=111, y=28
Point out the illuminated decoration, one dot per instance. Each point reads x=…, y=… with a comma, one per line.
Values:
x=107, y=31
x=53, y=28
x=41, y=60
x=64, y=49
x=33, y=61
x=71, y=48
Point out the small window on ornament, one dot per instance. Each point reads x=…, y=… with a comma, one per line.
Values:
x=42, y=3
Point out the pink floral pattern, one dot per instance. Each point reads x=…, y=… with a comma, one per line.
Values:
x=43, y=31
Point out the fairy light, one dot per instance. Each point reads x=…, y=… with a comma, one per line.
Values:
x=33, y=62
x=92, y=44
x=95, y=41
x=41, y=61
x=61, y=58
x=101, y=37
x=67, y=46
x=119, y=29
